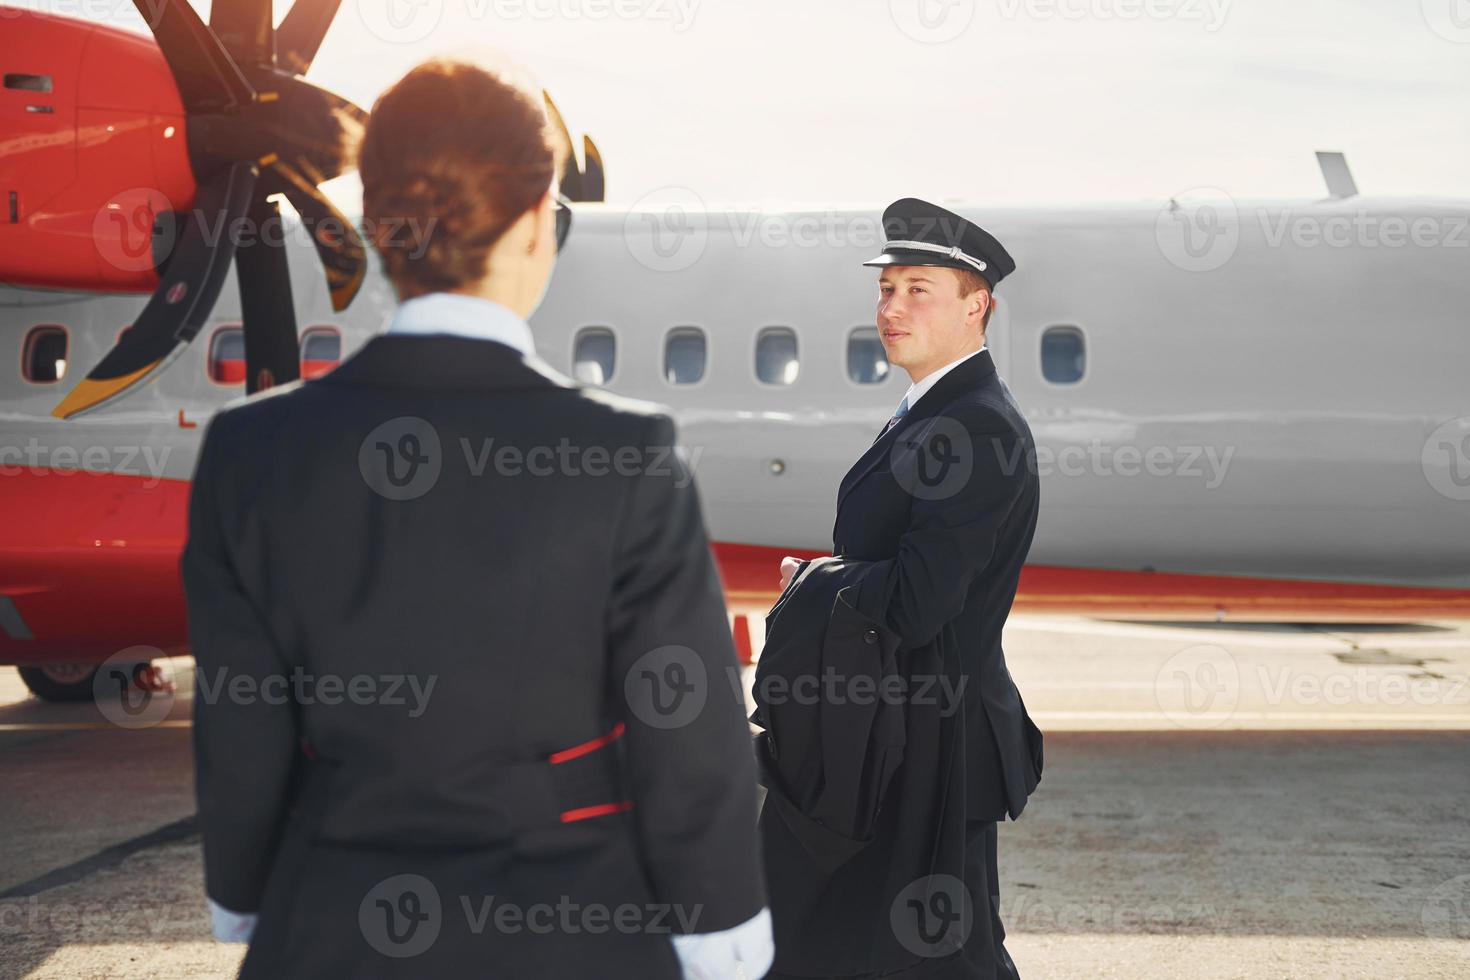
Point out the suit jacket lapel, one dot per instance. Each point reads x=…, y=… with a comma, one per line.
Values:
x=865, y=463
x=968, y=375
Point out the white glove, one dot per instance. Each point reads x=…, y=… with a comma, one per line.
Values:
x=743, y=952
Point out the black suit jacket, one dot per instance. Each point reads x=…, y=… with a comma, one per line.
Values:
x=339, y=529
x=834, y=726
x=933, y=525
x=944, y=505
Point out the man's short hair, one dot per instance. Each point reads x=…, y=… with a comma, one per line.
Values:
x=971, y=281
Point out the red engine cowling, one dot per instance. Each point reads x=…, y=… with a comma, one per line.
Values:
x=93, y=144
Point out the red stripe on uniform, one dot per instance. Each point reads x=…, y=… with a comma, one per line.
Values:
x=577, y=751
x=601, y=810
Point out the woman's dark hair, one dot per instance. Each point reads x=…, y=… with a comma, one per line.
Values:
x=452, y=155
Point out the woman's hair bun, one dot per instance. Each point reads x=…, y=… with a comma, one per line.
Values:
x=452, y=155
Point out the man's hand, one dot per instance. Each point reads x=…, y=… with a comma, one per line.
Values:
x=789, y=566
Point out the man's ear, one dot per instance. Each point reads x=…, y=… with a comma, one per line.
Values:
x=980, y=304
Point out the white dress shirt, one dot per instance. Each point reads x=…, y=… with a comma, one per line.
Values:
x=705, y=955
x=919, y=389
x=463, y=316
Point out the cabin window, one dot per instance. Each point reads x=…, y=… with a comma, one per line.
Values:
x=684, y=356
x=867, y=362
x=594, y=355
x=776, y=361
x=1063, y=355
x=321, y=350
x=227, y=356
x=43, y=355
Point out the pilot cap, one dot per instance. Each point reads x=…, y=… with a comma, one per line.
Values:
x=920, y=233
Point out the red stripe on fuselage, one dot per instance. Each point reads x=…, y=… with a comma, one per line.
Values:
x=752, y=580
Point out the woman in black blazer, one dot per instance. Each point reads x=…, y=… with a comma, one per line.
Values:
x=464, y=712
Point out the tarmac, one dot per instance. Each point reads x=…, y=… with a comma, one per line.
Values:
x=1219, y=801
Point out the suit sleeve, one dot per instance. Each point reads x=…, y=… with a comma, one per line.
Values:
x=245, y=739
x=675, y=673
x=953, y=528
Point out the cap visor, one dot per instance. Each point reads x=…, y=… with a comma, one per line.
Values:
x=901, y=256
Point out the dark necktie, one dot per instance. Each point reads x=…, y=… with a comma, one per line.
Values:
x=900, y=412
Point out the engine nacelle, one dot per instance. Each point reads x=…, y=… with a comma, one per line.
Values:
x=92, y=135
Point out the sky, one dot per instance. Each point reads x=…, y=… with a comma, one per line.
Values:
x=836, y=102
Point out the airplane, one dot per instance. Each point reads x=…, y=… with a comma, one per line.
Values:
x=1244, y=410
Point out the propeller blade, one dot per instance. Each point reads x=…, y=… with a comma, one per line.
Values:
x=338, y=245
x=297, y=121
x=319, y=130
x=594, y=181
x=207, y=77
x=300, y=34
x=272, y=350
x=244, y=28
x=571, y=177
x=186, y=292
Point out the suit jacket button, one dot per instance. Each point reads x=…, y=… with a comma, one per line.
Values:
x=870, y=636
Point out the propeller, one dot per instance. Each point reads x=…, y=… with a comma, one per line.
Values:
x=301, y=33
x=578, y=183
x=255, y=129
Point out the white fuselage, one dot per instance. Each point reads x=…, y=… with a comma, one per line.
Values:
x=1271, y=416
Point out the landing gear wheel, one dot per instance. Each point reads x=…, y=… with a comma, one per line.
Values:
x=77, y=682
x=60, y=682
